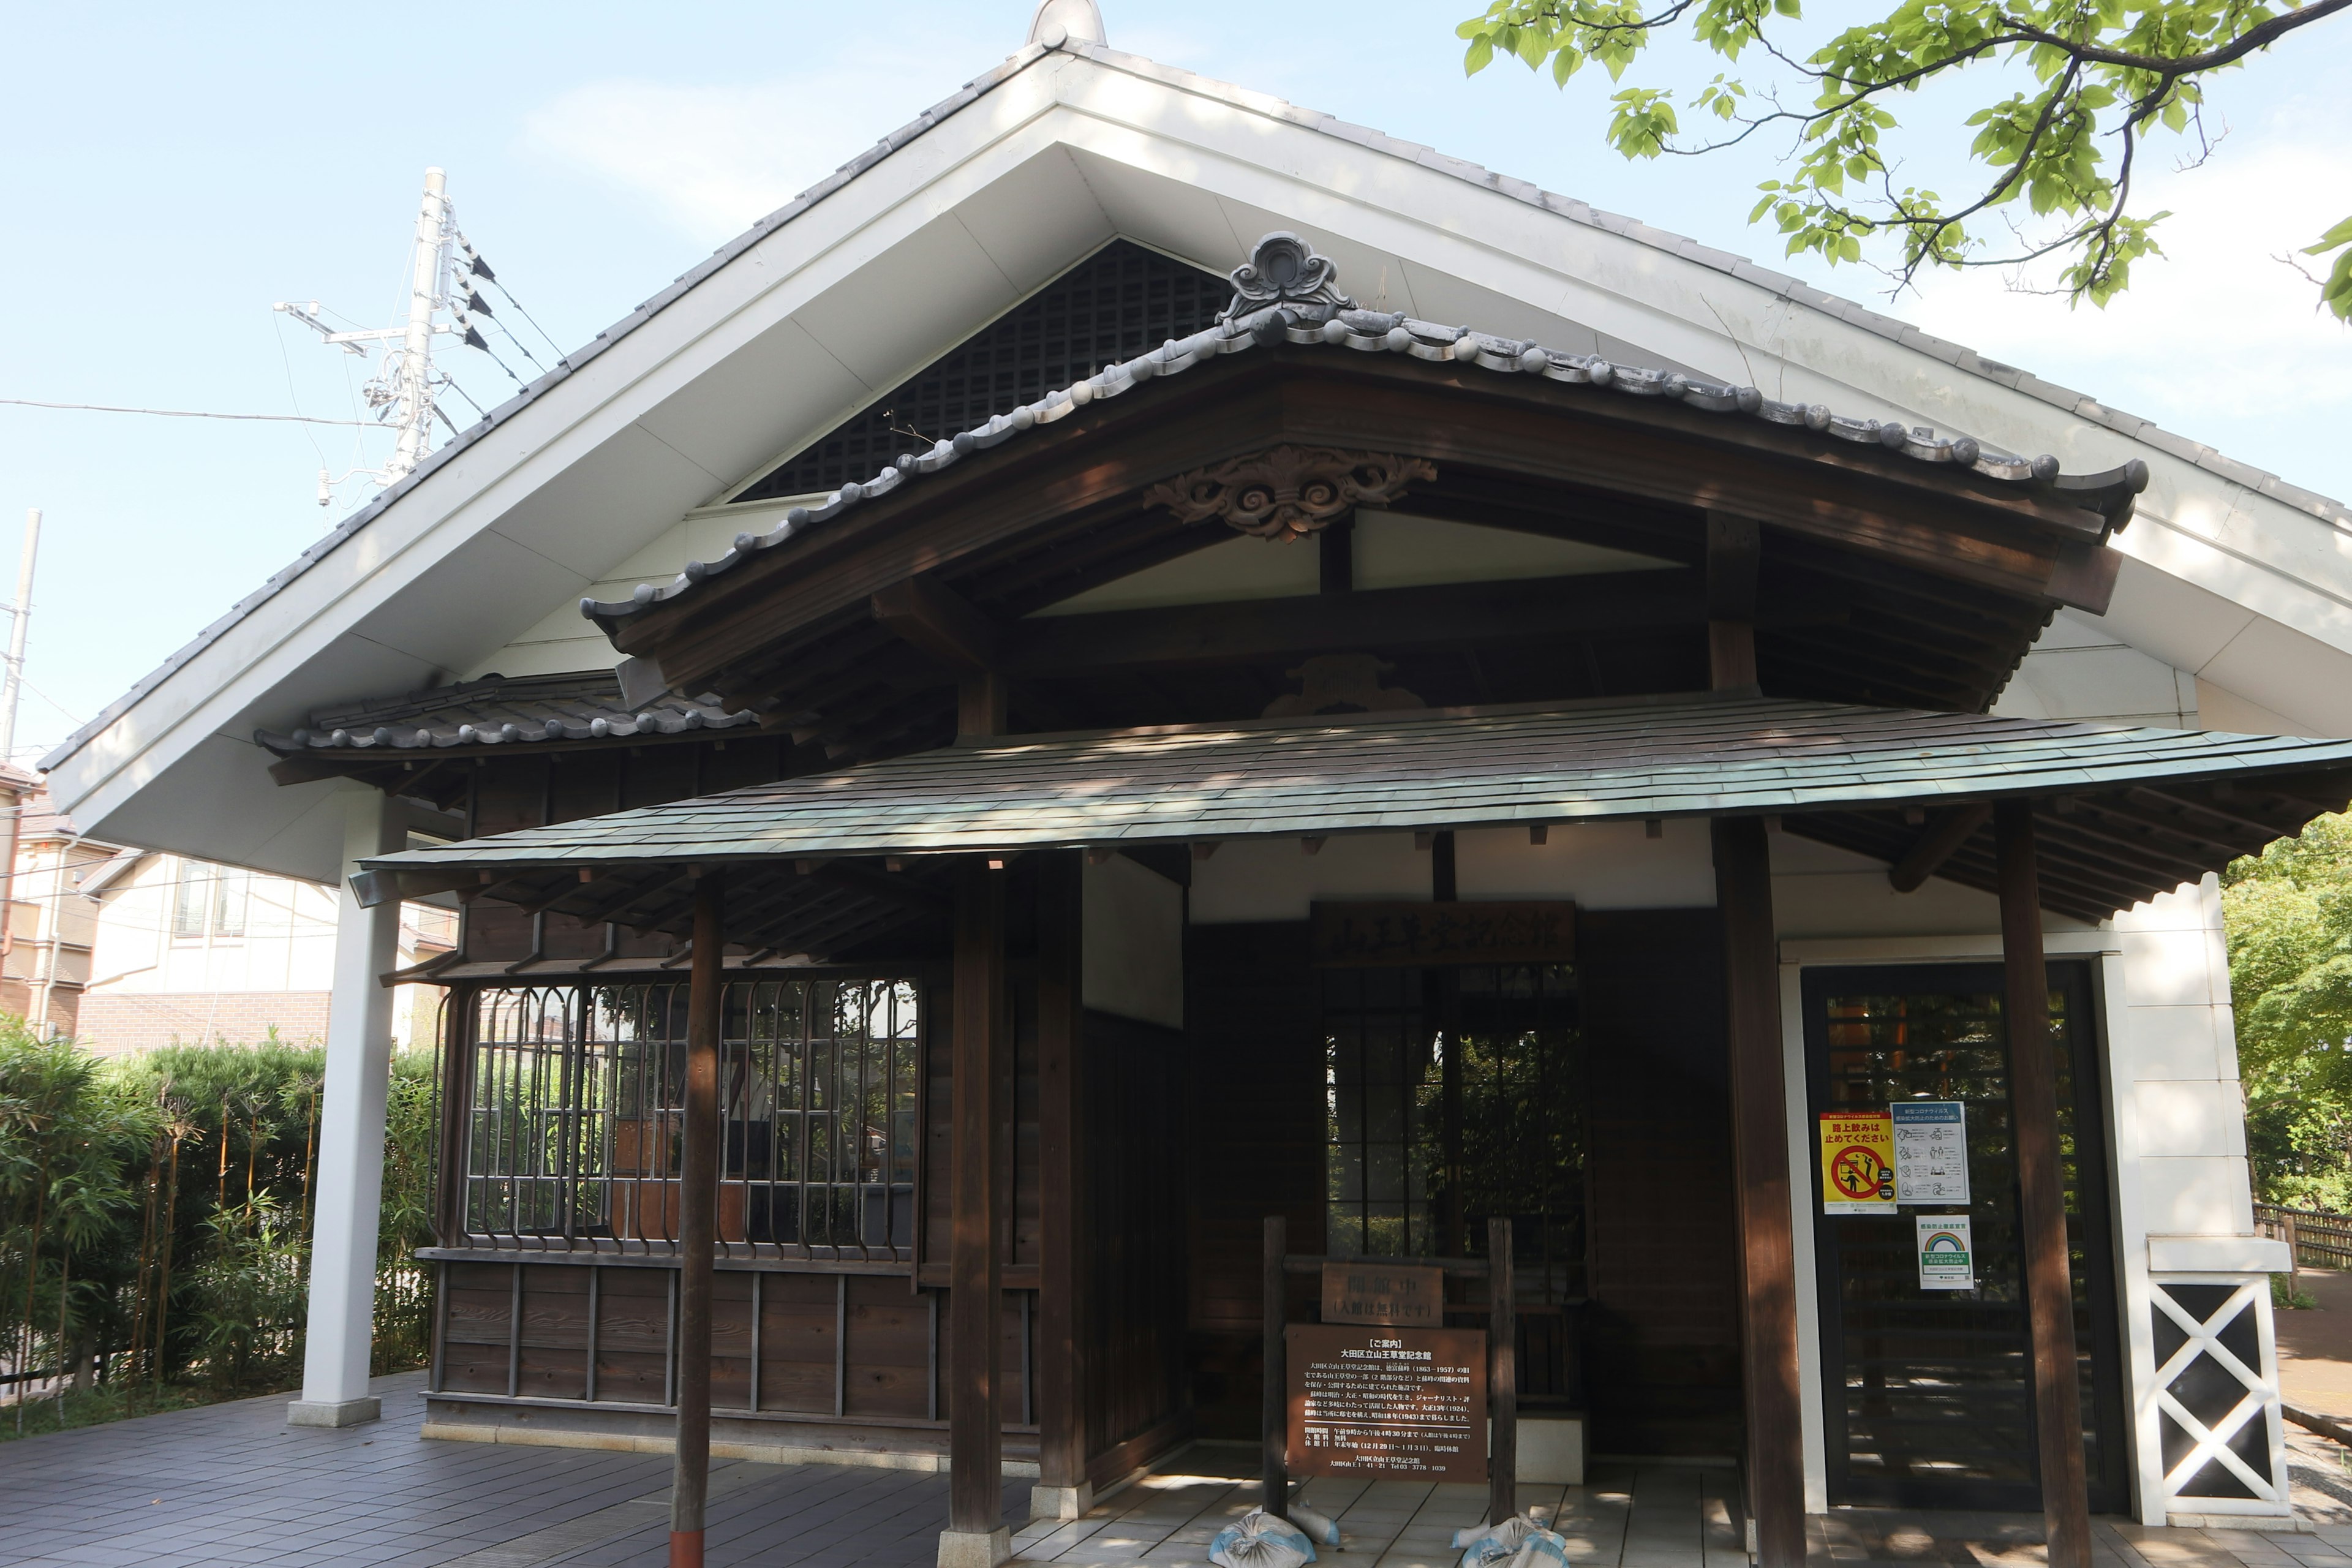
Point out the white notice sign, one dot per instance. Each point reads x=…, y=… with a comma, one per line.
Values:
x=1946, y=1256
x=1931, y=1152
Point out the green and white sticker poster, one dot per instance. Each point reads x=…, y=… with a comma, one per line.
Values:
x=1931, y=1152
x=1947, y=1254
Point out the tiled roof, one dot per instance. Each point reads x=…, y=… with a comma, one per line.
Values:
x=1681, y=756
x=2082, y=405
x=500, y=710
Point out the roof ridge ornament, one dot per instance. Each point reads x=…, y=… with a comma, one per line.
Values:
x=1059, y=22
x=1286, y=491
x=1284, y=271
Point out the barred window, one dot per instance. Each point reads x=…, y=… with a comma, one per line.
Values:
x=574, y=1135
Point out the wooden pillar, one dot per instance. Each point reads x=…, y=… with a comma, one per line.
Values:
x=1501, y=1373
x=1768, y=1261
x=1734, y=554
x=1063, y=1295
x=1274, y=1393
x=697, y=1227
x=975, y=1536
x=2041, y=1193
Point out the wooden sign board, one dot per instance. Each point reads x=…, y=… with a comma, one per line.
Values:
x=1411, y=934
x=1407, y=1404
x=1379, y=1294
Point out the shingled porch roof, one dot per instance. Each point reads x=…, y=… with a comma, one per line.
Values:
x=2130, y=812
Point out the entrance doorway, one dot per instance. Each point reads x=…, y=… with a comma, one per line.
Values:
x=1453, y=1096
x=1926, y=1392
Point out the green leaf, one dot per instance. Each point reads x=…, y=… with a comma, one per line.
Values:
x=1480, y=56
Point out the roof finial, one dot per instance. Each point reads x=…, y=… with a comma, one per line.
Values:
x=1067, y=21
x=1284, y=269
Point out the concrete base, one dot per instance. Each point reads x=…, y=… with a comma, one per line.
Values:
x=2268, y=1523
x=333, y=1413
x=1061, y=1502
x=972, y=1549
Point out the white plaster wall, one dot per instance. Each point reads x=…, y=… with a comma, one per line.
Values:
x=1131, y=960
x=2083, y=668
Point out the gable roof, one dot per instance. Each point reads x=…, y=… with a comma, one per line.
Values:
x=458, y=513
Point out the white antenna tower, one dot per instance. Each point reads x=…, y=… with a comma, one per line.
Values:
x=403, y=388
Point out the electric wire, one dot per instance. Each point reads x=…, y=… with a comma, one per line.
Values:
x=180, y=412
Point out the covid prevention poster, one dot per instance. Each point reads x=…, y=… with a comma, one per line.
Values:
x=1857, y=1162
x=1947, y=1254
x=1931, y=1152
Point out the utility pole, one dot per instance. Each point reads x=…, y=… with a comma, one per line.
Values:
x=402, y=389
x=20, y=613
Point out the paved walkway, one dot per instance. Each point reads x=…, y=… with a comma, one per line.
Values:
x=232, y=1486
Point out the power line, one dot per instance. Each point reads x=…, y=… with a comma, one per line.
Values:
x=187, y=413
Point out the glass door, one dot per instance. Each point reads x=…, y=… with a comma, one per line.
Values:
x=1926, y=1394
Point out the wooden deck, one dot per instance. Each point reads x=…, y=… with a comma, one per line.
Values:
x=230, y=1486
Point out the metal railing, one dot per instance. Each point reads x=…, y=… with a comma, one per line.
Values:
x=2315, y=1239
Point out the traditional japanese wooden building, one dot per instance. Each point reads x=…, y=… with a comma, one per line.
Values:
x=1155, y=732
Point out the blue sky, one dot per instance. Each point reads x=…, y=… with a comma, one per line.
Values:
x=176, y=170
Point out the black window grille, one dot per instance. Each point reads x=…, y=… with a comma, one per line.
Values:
x=1120, y=303
x=573, y=1137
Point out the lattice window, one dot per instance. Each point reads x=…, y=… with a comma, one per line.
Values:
x=2217, y=1413
x=1120, y=303
x=574, y=1131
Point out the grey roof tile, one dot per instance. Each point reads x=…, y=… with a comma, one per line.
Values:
x=502, y=710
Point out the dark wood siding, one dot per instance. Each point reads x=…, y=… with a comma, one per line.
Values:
x=1252, y=1012
x=1661, y=1335
x=1131, y=1216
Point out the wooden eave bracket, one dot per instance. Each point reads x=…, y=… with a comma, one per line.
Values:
x=2083, y=576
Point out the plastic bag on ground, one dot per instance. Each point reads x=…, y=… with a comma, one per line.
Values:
x=1260, y=1540
x=1542, y=1549
x=1495, y=1545
x=1320, y=1528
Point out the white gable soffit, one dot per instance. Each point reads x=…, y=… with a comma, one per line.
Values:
x=954, y=218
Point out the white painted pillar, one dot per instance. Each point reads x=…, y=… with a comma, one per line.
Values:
x=350, y=1135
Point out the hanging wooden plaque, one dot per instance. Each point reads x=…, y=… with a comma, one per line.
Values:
x=1376, y=1292
x=1411, y=934
x=1409, y=1403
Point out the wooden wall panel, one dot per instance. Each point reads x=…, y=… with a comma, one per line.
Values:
x=654, y=774
x=939, y=1129
x=632, y=1335
x=890, y=1342
x=1255, y=1101
x=1137, y=1134
x=730, y=1340
x=583, y=784
x=798, y=1313
x=477, y=1308
x=552, y=1347
x=1661, y=1335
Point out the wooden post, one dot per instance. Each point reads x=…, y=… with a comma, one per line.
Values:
x=697, y=1204
x=1274, y=1400
x=2042, y=1194
x=975, y=1536
x=1734, y=554
x=1759, y=1147
x=1502, y=1374
x=1062, y=1491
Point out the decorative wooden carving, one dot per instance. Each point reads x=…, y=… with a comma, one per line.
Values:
x=1342, y=683
x=1289, y=492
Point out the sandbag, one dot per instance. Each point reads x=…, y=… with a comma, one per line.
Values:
x=1320, y=1528
x=1542, y=1549
x=1495, y=1545
x=1260, y=1540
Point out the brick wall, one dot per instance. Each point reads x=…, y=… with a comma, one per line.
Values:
x=115, y=1021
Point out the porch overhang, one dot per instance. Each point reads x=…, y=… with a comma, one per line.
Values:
x=2130, y=812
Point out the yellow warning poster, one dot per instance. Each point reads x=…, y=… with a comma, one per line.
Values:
x=1857, y=1162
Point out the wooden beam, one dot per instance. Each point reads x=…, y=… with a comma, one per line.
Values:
x=2042, y=1194
x=697, y=1229
x=975, y=1536
x=1062, y=1373
x=1274, y=1393
x=902, y=891
x=1759, y=1139
x=981, y=702
x=1936, y=845
x=1735, y=553
x=936, y=618
x=1542, y=609
x=1502, y=1373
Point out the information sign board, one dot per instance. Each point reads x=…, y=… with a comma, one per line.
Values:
x=1382, y=1402
x=1380, y=1293
x=1947, y=1252
x=1931, y=1152
x=1857, y=1162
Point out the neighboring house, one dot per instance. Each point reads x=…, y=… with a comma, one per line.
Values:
x=129, y=950
x=1574, y=506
